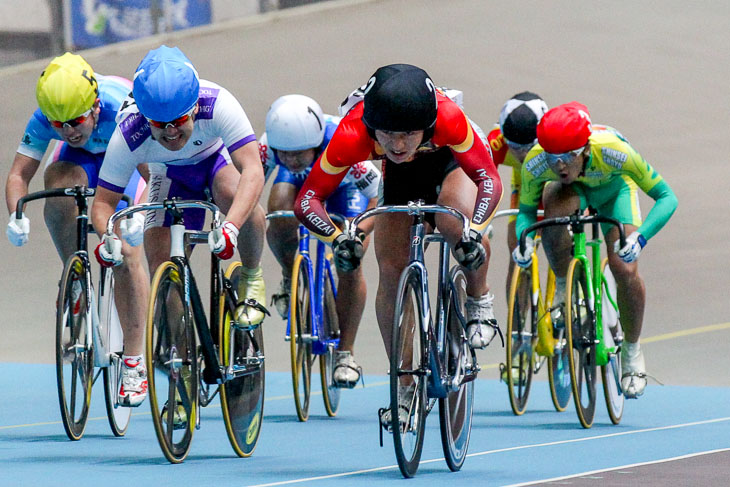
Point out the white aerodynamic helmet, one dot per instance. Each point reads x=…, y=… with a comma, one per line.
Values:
x=295, y=122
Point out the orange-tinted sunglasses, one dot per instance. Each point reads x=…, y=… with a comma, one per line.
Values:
x=73, y=122
x=173, y=123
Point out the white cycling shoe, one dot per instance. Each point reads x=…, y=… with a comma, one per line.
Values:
x=406, y=400
x=481, y=327
x=346, y=372
x=133, y=388
x=281, y=299
x=633, y=370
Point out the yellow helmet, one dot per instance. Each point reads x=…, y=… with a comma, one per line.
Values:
x=66, y=88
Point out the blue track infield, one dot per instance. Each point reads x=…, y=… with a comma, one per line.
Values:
x=667, y=422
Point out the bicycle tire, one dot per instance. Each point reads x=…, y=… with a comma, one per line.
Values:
x=521, y=340
x=300, y=336
x=580, y=333
x=558, y=365
x=110, y=328
x=74, y=349
x=170, y=354
x=456, y=409
x=242, y=398
x=611, y=372
x=331, y=328
x=408, y=358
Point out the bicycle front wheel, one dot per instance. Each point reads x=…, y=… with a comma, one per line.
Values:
x=74, y=349
x=581, y=334
x=521, y=339
x=242, y=398
x=172, y=363
x=300, y=336
x=330, y=324
x=613, y=337
x=408, y=365
x=455, y=410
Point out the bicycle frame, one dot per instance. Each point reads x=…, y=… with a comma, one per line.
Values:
x=591, y=261
x=439, y=383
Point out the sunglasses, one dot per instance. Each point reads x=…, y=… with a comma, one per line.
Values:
x=566, y=158
x=520, y=147
x=74, y=121
x=173, y=123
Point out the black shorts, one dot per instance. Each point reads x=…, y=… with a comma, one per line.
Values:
x=419, y=179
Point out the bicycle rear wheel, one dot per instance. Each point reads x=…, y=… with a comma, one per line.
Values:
x=408, y=365
x=74, y=349
x=171, y=363
x=111, y=330
x=300, y=336
x=558, y=364
x=455, y=411
x=521, y=340
x=331, y=326
x=581, y=334
x=242, y=398
x=613, y=336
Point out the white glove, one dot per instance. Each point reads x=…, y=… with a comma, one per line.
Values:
x=524, y=260
x=133, y=229
x=109, y=251
x=630, y=252
x=223, y=240
x=18, y=230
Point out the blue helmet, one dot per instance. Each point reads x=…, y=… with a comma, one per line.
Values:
x=165, y=84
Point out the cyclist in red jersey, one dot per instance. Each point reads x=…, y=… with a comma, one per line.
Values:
x=510, y=141
x=430, y=151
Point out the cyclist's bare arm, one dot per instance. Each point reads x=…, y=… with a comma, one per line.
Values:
x=21, y=172
x=105, y=202
x=248, y=160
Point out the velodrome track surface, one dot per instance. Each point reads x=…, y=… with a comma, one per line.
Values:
x=657, y=72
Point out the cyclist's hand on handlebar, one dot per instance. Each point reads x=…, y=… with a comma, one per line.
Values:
x=18, y=230
x=470, y=253
x=133, y=229
x=630, y=252
x=348, y=253
x=223, y=240
x=524, y=259
x=109, y=251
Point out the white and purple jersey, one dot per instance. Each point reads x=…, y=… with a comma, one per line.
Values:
x=221, y=125
x=39, y=133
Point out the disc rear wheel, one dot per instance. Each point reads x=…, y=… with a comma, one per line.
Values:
x=330, y=324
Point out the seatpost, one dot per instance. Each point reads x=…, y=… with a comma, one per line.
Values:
x=416, y=253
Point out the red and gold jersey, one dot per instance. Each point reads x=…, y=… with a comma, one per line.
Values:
x=351, y=143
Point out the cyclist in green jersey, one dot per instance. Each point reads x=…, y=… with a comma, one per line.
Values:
x=575, y=165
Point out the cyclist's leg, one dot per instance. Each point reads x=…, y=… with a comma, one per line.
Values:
x=282, y=236
x=511, y=237
x=66, y=167
x=559, y=200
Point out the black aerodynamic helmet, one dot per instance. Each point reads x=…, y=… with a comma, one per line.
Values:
x=399, y=98
x=519, y=117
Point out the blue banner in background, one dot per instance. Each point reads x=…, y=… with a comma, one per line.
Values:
x=95, y=23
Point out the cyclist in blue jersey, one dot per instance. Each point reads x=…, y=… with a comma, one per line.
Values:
x=77, y=110
x=297, y=131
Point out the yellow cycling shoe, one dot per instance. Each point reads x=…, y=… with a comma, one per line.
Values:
x=545, y=340
x=251, y=297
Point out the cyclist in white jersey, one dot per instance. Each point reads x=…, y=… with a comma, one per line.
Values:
x=297, y=131
x=197, y=141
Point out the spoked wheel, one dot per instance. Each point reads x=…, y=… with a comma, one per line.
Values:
x=521, y=340
x=559, y=363
x=171, y=363
x=330, y=392
x=408, y=365
x=242, y=398
x=455, y=411
x=613, y=337
x=110, y=328
x=580, y=333
x=74, y=352
x=300, y=333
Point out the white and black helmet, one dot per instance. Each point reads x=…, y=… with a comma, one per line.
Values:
x=295, y=122
x=519, y=117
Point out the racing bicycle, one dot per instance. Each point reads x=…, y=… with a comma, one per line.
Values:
x=312, y=325
x=88, y=332
x=430, y=358
x=184, y=375
x=592, y=326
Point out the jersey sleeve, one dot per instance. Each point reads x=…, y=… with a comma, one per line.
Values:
x=268, y=159
x=119, y=161
x=231, y=122
x=366, y=178
x=37, y=136
x=349, y=145
x=454, y=130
